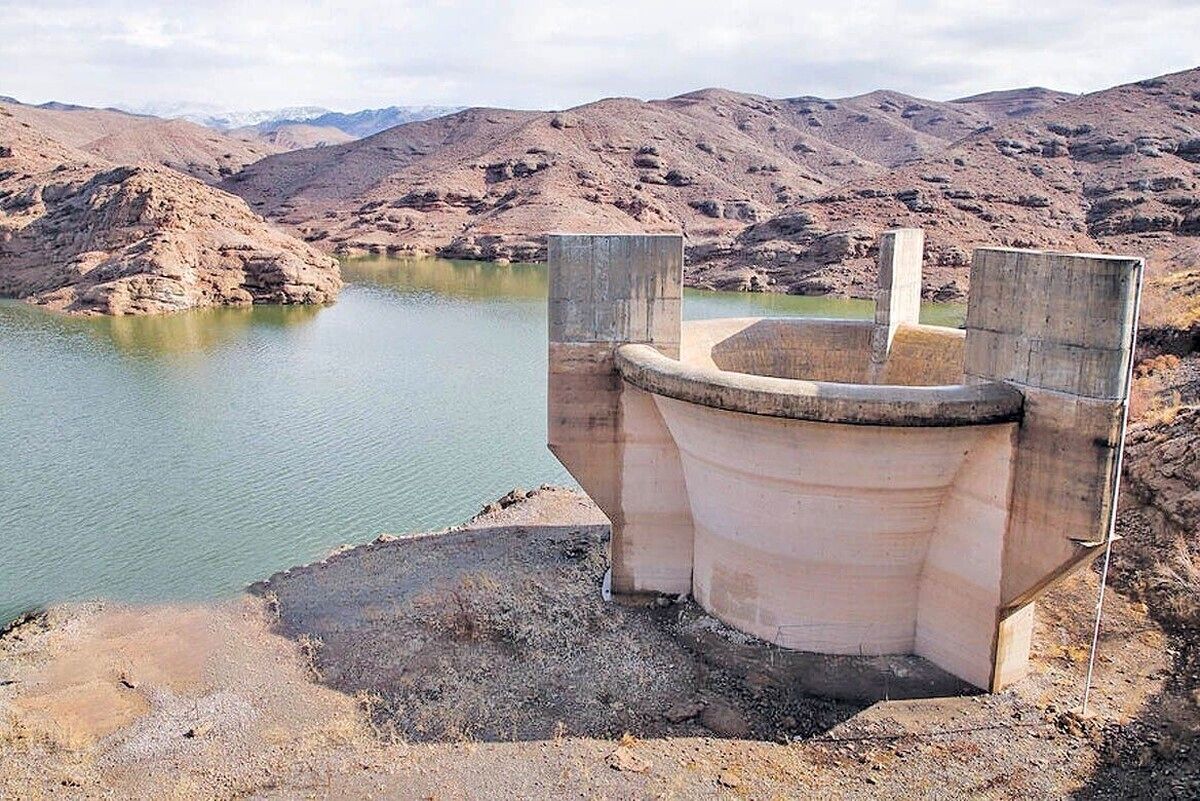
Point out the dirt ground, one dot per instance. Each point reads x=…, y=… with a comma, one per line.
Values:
x=482, y=662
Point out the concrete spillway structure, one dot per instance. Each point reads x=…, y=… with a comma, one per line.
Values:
x=849, y=487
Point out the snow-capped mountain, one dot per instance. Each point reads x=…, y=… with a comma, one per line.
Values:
x=221, y=119
x=371, y=121
x=265, y=121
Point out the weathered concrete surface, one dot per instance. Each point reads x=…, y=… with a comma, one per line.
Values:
x=848, y=487
x=898, y=296
x=605, y=291
x=814, y=535
x=1061, y=328
x=960, y=578
x=924, y=355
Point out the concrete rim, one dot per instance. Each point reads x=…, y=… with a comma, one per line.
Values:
x=822, y=401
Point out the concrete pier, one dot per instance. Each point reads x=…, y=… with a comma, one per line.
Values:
x=848, y=487
x=606, y=291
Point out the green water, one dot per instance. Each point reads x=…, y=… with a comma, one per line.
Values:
x=184, y=456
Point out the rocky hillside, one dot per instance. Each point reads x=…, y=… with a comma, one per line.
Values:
x=1010, y=103
x=116, y=136
x=487, y=183
x=81, y=234
x=1116, y=171
x=1163, y=455
x=783, y=195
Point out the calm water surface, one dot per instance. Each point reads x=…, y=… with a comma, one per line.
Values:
x=185, y=456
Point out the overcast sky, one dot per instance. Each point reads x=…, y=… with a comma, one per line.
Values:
x=263, y=54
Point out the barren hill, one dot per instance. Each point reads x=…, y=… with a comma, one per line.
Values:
x=487, y=183
x=82, y=234
x=1009, y=103
x=784, y=195
x=1113, y=170
x=887, y=127
x=294, y=136
x=137, y=139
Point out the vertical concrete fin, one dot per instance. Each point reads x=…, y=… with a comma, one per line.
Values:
x=898, y=296
x=960, y=577
x=606, y=291
x=1060, y=328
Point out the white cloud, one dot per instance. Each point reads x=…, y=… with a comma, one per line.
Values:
x=146, y=32
x=546, y=55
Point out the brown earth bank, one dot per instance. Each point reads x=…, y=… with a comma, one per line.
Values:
x=83, y=235
x=482, y=662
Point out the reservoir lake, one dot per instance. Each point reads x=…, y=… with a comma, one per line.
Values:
x=182, y=457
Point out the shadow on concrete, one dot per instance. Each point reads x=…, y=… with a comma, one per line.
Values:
x=501, y=634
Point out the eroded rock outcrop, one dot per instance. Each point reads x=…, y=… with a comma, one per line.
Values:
x=80, y=235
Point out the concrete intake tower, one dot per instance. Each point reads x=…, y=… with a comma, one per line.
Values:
x=843, y=486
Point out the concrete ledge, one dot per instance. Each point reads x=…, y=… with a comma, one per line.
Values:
x=821, y=401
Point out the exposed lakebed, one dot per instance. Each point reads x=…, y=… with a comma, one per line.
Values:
x=185, y=456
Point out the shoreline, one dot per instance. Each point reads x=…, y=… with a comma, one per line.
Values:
x=481, y=657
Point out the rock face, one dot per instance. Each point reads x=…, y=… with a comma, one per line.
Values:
x=1163, y=465
x=1114, y=171
x=80, y=235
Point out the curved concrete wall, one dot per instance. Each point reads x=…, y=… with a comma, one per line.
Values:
x=935, y=406
x=825, y=350
x=840, y=486
x=815, y=535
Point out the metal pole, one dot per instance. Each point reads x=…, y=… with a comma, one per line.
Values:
x=1112, y=516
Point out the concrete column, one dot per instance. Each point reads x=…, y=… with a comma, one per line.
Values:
x=898, y=297
x=609, y=290
x=606, y=291
x=1060, y=328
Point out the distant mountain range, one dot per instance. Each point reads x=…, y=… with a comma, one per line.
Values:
x=121, y=137
x=778, y=194
x=783, y=194
x=223, y=119
x=262, y=122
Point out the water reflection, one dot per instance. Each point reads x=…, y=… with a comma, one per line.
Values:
x=195, y=331
x=464, y=279
x=700, y=304
x=479, y=280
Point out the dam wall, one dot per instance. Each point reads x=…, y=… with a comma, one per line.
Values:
x=848, y=487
